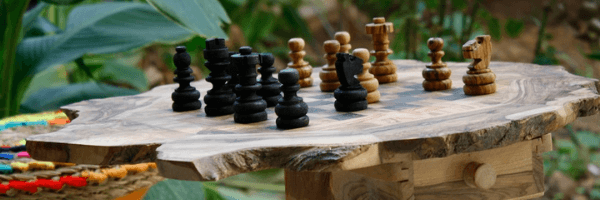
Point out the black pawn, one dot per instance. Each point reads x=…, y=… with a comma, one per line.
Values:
x=270, y=91
x=232, y=70
x=219, y=100
x=291, y=110
x=350, y=96
x=248, y=106
x=185, y=98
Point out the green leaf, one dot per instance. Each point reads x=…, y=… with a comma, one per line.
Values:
x=595, y=159
x=40, y=27
x=91, y=29
x=432, y=4
x=115, y=72
x=459, y=4
x=54, y=98
x=293, y=19
x=171, y=189
x=51, y=77
x=494, y=28
x=595, y=55
x=63, y=2
x=30, y=16
x=514, y=27
x=201, y=16
x=11, y=16
x=589, y=139
x=565, y=146
x=595, y=193
x=210, y=189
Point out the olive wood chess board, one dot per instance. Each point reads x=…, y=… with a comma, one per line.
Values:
x=407, y=124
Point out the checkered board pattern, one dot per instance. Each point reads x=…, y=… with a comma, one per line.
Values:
x=404, y=100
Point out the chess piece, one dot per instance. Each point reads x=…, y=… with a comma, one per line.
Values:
x=383, y=68
x=437, y=75
x=344, y=38
x=232, y=70
x=367, y=80
x=329, y=79
x=297, y=54
x=350, y=96
x=291, y=109
x=248, y=106
x=479, y=79
x=219, y=100
x=185, y=98
x=270, y=91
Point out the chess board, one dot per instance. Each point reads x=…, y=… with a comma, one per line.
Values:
x=530, y=101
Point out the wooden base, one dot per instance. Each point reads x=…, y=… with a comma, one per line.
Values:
x=519, y=167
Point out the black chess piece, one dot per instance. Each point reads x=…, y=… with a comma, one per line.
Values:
x=232, y=70
x=270, y=91
x=248, y=106
x=350, y=96
x=185, y=97
x=291, y=109
x=219, y=100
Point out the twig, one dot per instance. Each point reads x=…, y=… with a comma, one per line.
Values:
x=542, y=31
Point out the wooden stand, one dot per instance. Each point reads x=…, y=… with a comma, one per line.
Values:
x=512, y=172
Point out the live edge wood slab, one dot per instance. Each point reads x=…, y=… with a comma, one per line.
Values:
x=413, y=144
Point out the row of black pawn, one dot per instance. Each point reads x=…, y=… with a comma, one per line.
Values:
x=231, y=71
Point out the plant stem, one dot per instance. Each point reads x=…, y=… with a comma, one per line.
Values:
x=542, y=31
x=11, y=37
x=466, y=34
x=442, y=13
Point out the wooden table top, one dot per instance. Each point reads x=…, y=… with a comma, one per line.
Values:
x=530, y=101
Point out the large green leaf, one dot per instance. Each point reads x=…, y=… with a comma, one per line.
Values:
x=40, y=27
x=31, y=16
x=116, y=72
x=11, y=16
x=63, y=2
x=54, y=98
x=99, y=29
x=51, y=77
x=200, y=16
x=171, y=189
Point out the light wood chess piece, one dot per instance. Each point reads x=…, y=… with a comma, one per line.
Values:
x=437, y=74
x=329, y=79
x=344, y=38
x=383, y=68
x=480, y=79
x=367, y=80
x=297, y=54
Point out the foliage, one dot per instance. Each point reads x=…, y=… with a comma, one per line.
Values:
x=416, y=21
x=74, y=32
x=261, y=185
x=574, y=156
x=10, y=35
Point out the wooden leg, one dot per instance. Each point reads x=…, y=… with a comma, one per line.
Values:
x=391, y=181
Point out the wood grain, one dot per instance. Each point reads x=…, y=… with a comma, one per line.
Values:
x=511, y=159
x=531, y=101
x=391, y=181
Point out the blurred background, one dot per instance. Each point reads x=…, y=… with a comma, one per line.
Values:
x=65, y=51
